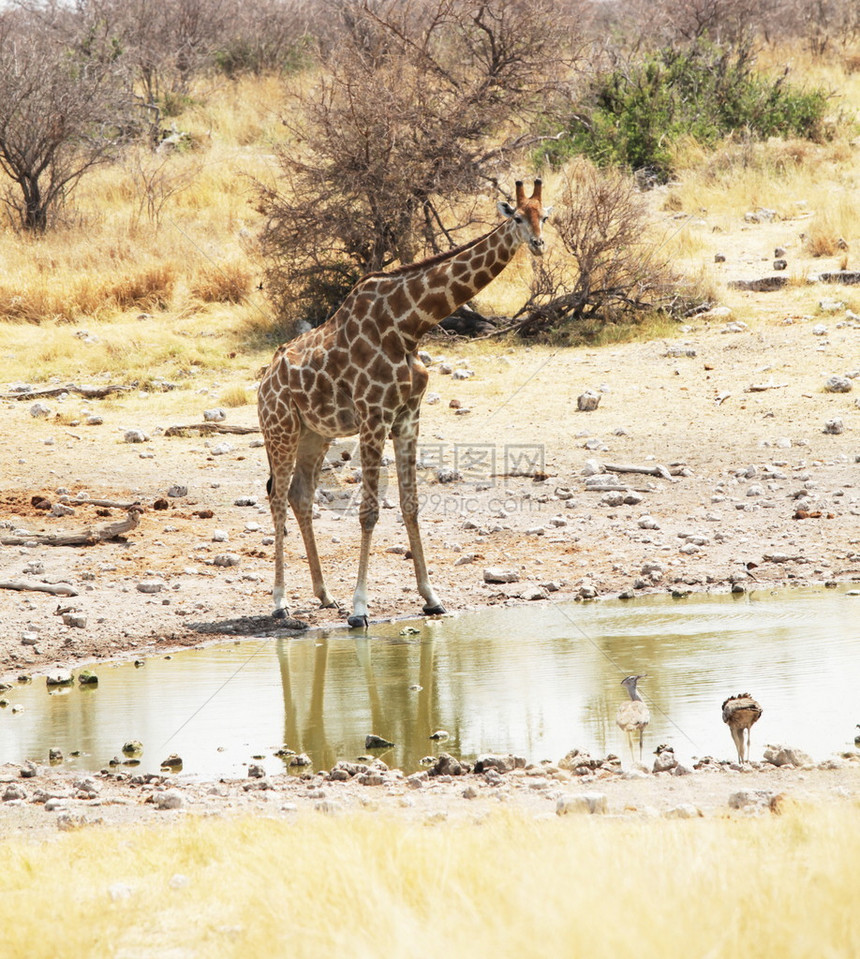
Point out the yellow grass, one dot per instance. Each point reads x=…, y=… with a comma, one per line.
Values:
x=368, y=886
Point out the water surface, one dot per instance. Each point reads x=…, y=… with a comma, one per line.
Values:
x=536, y=681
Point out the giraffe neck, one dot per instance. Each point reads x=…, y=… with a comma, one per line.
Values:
x=435, y=288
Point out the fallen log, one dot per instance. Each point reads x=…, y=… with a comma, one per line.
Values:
x=82, y=537
x=210, y=428
x=55, y=589
x=655, y=470
x=90, y=392
x=108, y=503
x=762, y=387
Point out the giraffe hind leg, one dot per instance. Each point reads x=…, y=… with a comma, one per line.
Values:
x=309, y=457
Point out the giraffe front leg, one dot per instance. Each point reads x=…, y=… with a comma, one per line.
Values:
x=368, y=514
x=405, y=443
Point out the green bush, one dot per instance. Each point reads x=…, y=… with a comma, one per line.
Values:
x=637, y=114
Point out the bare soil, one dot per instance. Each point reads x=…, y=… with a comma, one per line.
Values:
x=759, y=495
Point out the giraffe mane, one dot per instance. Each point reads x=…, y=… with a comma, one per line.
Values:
x=434, y=259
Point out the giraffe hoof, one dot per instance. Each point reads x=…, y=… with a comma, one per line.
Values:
x=358, y=622
x=279, y=614
x=438, y=610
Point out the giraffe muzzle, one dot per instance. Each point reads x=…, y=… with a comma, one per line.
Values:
x=537, y=247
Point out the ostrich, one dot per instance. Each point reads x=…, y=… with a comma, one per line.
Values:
x=739, y=714
x=634, y=715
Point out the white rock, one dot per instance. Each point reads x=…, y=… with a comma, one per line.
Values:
x=214, y=416
x=497, y=574
x=169, y=799
x=588, y=803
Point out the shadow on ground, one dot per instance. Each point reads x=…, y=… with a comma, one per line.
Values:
x=250, y=626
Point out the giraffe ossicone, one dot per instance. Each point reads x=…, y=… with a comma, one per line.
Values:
x=359, y=373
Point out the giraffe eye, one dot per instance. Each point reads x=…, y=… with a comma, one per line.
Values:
x=518, y=219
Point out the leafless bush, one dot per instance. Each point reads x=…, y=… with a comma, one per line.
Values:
x=63, y=105
x=609, y=265
x=156, y=177
x=820, y=24
x=424, y=105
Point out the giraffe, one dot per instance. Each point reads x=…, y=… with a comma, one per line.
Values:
x=359, y=373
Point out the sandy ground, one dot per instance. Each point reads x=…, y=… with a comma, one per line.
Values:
x=758, y=494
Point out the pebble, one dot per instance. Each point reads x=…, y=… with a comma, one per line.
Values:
x=214, y=415
x=683, y=811
x=135, y=436
x=588, y=803
x=838, y=384
x=222, y=449
x=498, y=574
x=588, y=401
x=177, y=490
x=169, y=799
x=76, y=620
x=834, y=427
x=227, y=559
x=38, y=410
x=150, y=586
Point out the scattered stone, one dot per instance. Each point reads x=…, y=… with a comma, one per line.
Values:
x=502, y=763
x=588, y=803
x=59, y=677
x=255, y=771
x=372, y=741
x=532, y=593
x=587, y=590
x=169, y=799
x=765, y=284
x=86, y=677
x=222, y=449
x=245, y=501
x=173, y=762
x=834, y=427
x=780, y=264
x=135, y=436
x=14, y=793
x=847, y=277
x=440, y=735
x=838, y=384
x=227, y=559
x=665, y=759
x=39, y=411
x=831, y=306
x=497, y=574
x=134, y=747
x=647, y=522
x=76, y=620
x=447, y=765
x=445, y=474
x=214, y=416
x=93, y=420
x=588, y=401
x=780, y=755
x=150, y=586
x=683, y=811
x=55, y=756
x=752, y=798
x=300, y=760
x=177, y=490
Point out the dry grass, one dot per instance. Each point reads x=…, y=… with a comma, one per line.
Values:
x=363, y=886
x=191, y=263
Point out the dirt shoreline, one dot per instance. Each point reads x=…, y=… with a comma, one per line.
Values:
x=760, y=495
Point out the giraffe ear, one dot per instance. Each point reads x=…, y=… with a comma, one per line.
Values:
x=506, y=209
x=546, y=212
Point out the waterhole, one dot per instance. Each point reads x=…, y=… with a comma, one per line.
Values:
x=535, y=681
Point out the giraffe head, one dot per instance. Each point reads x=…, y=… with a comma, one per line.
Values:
x=529, y=216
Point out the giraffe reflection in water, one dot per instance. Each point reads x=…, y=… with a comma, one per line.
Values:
x=401, y=708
